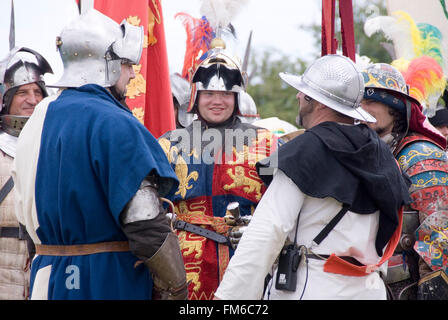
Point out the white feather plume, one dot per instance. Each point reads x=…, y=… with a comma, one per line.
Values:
x=395, y=30
x=363, y=62
x=220, y=13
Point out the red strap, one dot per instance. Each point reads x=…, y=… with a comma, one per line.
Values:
x=334, y=264
x=329, y=43
x=348, y=36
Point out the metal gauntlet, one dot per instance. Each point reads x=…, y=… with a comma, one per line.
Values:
x=168, y=271
x=237, y=222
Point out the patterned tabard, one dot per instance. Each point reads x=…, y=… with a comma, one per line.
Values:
x=208, y=182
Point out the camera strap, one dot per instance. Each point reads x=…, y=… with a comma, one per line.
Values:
x=325, y=231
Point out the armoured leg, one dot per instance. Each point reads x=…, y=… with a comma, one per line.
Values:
x=433, y=286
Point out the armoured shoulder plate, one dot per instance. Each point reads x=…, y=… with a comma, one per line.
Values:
x=145, y=204
x=427, y=166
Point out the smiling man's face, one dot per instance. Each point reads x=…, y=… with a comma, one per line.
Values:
x=25, y=100
x=216, y=106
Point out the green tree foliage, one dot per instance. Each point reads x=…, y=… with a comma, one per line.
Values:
x=373, y=47
x=273, y=97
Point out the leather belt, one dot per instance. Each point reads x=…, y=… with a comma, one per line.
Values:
x=12, y=232
x=82, y=249
x=209, y=234
x=326, y=256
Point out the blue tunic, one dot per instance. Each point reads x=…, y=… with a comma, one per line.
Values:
x=93, y=156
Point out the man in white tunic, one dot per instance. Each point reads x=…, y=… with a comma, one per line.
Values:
x=23, y=89
x=337, y=168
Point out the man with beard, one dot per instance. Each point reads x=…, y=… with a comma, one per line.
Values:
x=331, y=213
x=89, y=175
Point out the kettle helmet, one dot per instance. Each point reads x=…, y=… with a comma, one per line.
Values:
x=92, y=48
x=334, y=81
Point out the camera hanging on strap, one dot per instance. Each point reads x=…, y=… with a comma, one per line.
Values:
x=288, y=264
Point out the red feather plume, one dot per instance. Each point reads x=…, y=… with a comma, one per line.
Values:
x=199, y=35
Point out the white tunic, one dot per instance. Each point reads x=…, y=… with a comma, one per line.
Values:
x=274, y=220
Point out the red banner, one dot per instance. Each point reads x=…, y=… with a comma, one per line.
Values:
x=149, y=94
x=329, y=42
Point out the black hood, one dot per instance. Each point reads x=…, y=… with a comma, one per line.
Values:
x=350, y=164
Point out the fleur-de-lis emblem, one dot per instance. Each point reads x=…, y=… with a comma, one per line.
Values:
x=184, y=177
x=181, y=167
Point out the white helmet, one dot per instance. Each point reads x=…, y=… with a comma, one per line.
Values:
x=248, y=108
x=180, y=88
x=22, y=66
x=334, y=81
x=217, y=72
x=92, y=48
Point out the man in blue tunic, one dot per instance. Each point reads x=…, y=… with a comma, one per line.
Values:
x=90, y=198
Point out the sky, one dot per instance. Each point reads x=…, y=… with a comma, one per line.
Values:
x=275, y=26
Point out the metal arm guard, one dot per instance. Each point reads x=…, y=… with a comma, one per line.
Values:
x=145, y=205
x=167, y=268
x=151, y=239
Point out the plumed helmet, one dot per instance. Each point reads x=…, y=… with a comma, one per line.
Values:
x=180, y=89
x=23, y=66
x=248, y=108
x=92, y=48
x=386, y=77
x=380, y=78
x=334, y=81
x=218, y=72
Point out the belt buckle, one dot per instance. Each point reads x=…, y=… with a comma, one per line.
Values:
x=180, y=224
x=22, y=232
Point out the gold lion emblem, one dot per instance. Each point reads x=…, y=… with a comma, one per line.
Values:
x=240, y=179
